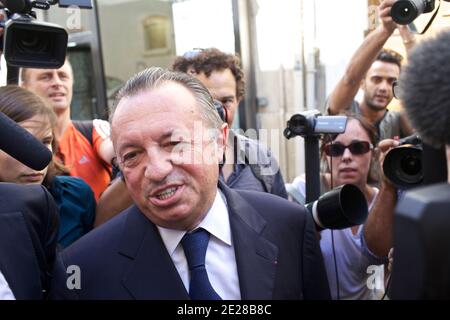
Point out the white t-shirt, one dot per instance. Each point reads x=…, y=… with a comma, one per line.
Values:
x=355, y=264
x=5, y=290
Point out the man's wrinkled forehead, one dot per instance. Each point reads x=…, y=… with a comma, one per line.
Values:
x=25, y=72
x=156, y=100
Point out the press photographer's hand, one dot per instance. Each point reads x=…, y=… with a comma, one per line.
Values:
x=384, y=13
x=384, y=146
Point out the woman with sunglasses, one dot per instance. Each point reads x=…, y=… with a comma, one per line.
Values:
x=351, y=159
x=352, y=256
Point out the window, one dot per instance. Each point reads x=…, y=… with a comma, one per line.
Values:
x=156, y=34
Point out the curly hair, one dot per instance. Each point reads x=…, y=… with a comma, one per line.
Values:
x=425, y=89
x=208, y=60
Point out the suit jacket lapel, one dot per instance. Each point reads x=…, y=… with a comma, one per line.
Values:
x=256, y=257
x=18, y=261
x=151, y=273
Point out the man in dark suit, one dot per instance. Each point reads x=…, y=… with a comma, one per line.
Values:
x=188, y=236
x=28, y=237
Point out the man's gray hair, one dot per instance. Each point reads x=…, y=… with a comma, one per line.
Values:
x=154, y=77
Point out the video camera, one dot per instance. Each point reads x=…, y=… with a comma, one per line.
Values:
x=313, y=123
x=310, y=125
x=403, y=164
x=32, y=44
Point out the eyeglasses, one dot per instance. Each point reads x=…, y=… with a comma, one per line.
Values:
x=337, y=149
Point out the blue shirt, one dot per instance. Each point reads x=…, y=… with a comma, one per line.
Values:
x=76, y=206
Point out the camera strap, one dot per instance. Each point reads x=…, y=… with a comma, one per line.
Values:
x=413, y=28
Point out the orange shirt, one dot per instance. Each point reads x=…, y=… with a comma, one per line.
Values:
x=82, y=159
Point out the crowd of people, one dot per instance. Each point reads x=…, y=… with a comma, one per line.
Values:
x=197, y=210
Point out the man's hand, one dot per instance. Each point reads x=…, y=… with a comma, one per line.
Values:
x=384, y=146
x=408, y=37
x=384, y=13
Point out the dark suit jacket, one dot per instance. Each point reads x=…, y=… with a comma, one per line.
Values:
x=28, y=237
x=277, y=255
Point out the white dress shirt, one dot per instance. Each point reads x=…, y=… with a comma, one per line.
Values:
x=220, y=260
x=5, y=290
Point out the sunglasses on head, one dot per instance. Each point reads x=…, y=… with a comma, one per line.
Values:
x=337, y=149
x=193, y=53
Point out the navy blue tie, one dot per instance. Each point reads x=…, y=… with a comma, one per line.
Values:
x=194, y=246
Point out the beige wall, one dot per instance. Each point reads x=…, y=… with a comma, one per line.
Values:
x=123, y=37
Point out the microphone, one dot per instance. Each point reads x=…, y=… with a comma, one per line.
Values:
x=422, y=222
x=22, y=145
x=425, y=89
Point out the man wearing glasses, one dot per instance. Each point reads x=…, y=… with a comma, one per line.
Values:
x=374, y=71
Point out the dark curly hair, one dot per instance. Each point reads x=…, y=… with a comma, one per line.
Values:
x=212, y=59
x=425, y=89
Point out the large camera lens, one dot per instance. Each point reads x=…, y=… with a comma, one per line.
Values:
x=405, y=11
x=32, y=41
x=34, y=44
x=411, y=165
x=340, y=208
x=403, y=166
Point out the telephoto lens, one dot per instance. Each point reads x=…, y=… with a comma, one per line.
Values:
x=406, y=11
x=403, y=164
x=340, y=208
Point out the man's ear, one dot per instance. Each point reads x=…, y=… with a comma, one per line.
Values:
x=223, y=137
x=222, y=142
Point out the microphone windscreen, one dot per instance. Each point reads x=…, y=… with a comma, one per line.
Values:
x=425, y=89
x=22, y=145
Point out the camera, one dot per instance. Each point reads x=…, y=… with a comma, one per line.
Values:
x=32, y=44
x=406, y=11
x=403, y=164
x=313, y=123
x=340, y=208
x=310, y=125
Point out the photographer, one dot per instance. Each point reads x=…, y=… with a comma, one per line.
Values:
x=374, y=70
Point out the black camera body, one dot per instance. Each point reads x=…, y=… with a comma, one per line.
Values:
x=312, y=122
x=406, y=11
x=32, y=44
x=403, y=165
